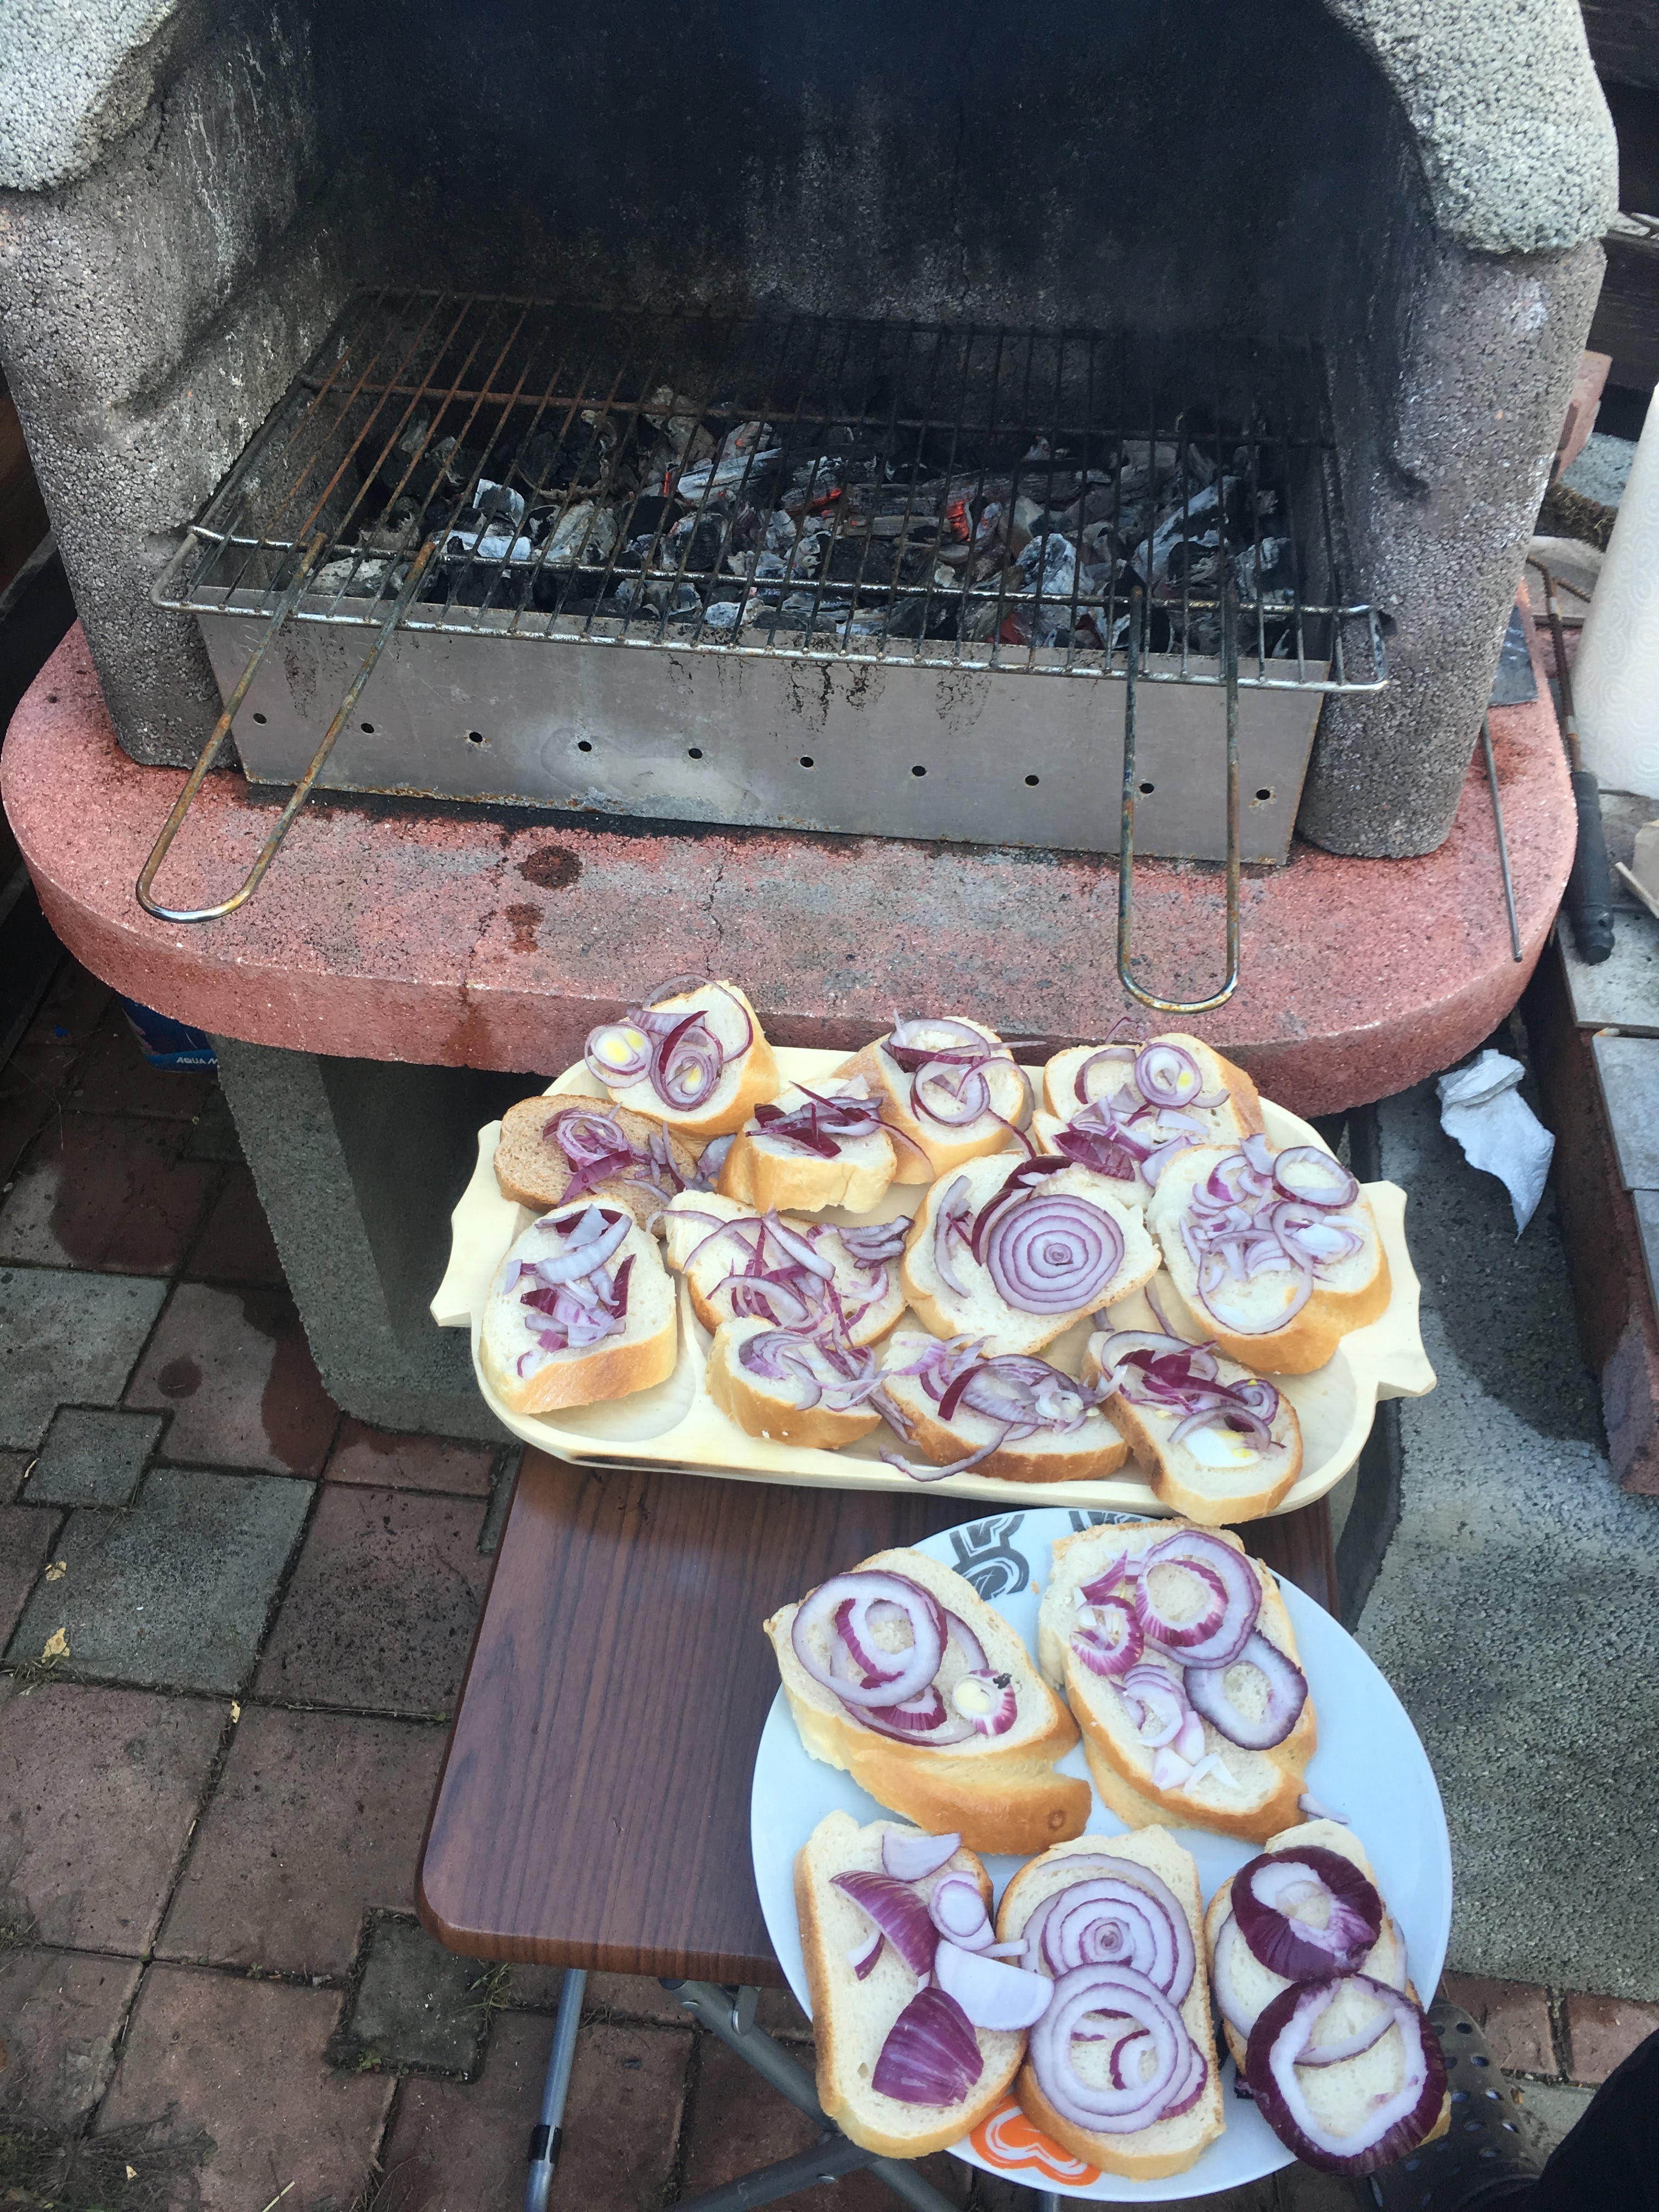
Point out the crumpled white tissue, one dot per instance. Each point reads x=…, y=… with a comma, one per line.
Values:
x=1480, y=1107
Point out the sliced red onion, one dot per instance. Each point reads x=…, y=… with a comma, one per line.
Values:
x=931, y=2055
x=1001, y=1998
x=1306, y=1173
x=686, y=1064
x=879, y=1240
x=912, y=1857
x=954, y=1097
x=1169, y=1770
x=1392, y=2125
x=1111, y=1641
x=957, y=1631
x=1052, y=1253
x=1119, y=1059
x=799, y=1248
x=956, y=1910
x=1212, y=1763
x=1243, y=1599
x=923, y=1720
x=766, y=1296
x=989, y=1700
x=822, y=1125
x=1286, y=1695
x=1157, y=1622
x=588, y=1249
x=896, y=1911
x=1156, y=1703
x=1348, y=2046
x=1118, y=1990
x=1125, y=1915
x=866, y=1588
x=952, y=1218
x=1104, y=1583
x=1223, y=1968
x=1168, y=1075
x=1308, y=1804
x=861, y=1957
x=1265, y=1892
x=631, y=1060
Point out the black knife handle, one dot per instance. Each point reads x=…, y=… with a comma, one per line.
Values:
x=1590, y=887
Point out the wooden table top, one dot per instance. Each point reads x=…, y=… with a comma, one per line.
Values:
x=594, y=1807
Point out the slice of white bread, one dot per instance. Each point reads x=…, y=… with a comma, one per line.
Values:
x=1250, y=1986
x=762, y=1408
x=762, y=1171
x=1168, y=2146
x=1268, y=1783
x=983, y=1312
x=1215, y=1476
x=1348, y=1293
x=687, y=1223
x=933, y=1148
x=998, y=1793
x=1046, y=1455
x=852, y=2019
x=532, y=1170
x=642, y=1353
x=1225, y=1124
x=745, y=1080
x=1343, y=2093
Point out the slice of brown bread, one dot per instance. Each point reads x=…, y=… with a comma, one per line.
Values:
x=532, y=1169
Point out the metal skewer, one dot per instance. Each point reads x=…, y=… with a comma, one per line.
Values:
x=1502, y=843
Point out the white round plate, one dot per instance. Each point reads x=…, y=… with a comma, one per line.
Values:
x=1370, y=1767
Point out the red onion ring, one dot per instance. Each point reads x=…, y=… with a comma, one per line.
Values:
x=865, y=1587
x=1392, y=2126
x=1128, y=1917
x=862, y=1957
x=953, y=1210
x=912, y=1857
x=896, y=1911
x=1287, y=1694
x=1295, y=1947
x=957, y=1910
x=1052, y=1253
x=1243, y=1600
x=1102, y=1651
x=1110, y=2110
x=1312, y=1177
x=1167, y=1075
x=1107, y=1054
x=1147, y=1690
x=1173, y=1635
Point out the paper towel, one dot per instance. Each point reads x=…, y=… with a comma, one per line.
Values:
x=1480, y=1107
x=1615, y=679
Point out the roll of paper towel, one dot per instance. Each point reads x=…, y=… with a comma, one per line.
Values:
x=1615, y=679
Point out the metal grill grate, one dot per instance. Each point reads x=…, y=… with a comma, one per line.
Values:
x=812, y=489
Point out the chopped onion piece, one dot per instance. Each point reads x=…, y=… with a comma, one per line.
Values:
x=911, y=1856
x=931, y=2055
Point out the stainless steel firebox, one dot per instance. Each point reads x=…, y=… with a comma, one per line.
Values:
x=805, y=572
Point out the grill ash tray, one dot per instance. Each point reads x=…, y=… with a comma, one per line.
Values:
x=676, y=1425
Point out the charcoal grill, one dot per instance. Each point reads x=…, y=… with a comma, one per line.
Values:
x=798, y=538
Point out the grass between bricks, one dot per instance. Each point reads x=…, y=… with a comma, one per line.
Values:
x=121, y=2172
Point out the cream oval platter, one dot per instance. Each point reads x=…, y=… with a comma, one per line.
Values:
x=677, y=1425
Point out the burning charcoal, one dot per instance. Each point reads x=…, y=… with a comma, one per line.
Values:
x=675, y=418
x=742, y=456
x=808, y=553
x=725, y=614
x=1194, y=563
x=649, y=513
x=782, y=532
x=495, y=503
x=696, y=543
x=586, y=532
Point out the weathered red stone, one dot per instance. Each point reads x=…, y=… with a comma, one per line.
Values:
x=401, y=931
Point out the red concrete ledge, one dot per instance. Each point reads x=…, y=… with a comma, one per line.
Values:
x=462, y=936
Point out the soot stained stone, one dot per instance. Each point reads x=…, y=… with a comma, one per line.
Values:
x=414, y=2006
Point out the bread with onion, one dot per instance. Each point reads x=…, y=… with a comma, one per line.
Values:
x=1120, y=2068
x=1126, y=1109
x=739, y=1264
x=812, y=1146
x=693, y=1056
x=1014, y=1251
x=1016, y=1417
x=952, y=1092
x=1180, y=1665
x=580, y=1309
x=1275, y=1254
x=1220, y=1442
x=976, y=1731
x=902, y=2068
x=792, y=1385
x=555, y=1149
x=1307, y=1918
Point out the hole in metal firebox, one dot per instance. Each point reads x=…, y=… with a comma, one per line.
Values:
x=806, y=760
x=918, y=771
x=694, y=752
x=1265, y=793
x=1146, y=789
x=583, y=745
x=367, y=728
x=1033, y=779
x=259, y=718
x=475, y=737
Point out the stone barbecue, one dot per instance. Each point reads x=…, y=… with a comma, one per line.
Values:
x=886, y=354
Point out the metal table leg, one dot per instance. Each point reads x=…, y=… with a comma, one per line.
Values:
x=546, y=2136
x=734, y=2024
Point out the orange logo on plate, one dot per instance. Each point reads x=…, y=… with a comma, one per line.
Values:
x=1008, y=2140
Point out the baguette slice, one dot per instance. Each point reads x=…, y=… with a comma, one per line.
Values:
x=763, y=1407
x=528, y=1379
x=1214, y=1476
x=533, y=1170
x=1000, y=1793
x=745, y=1080
x=1244, y=1987
x=1168, y=2146
x=852, y=2019
x=1268, y=1783
x=1348, y=1294
x=762, y=1170
x=1342, y=2092
x=1045, y=1456
x=984, y=1312
x=1225, y=1124
x=873, y=1293
x=932, y=1148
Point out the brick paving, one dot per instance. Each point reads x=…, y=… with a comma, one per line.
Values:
x=212, y=1798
